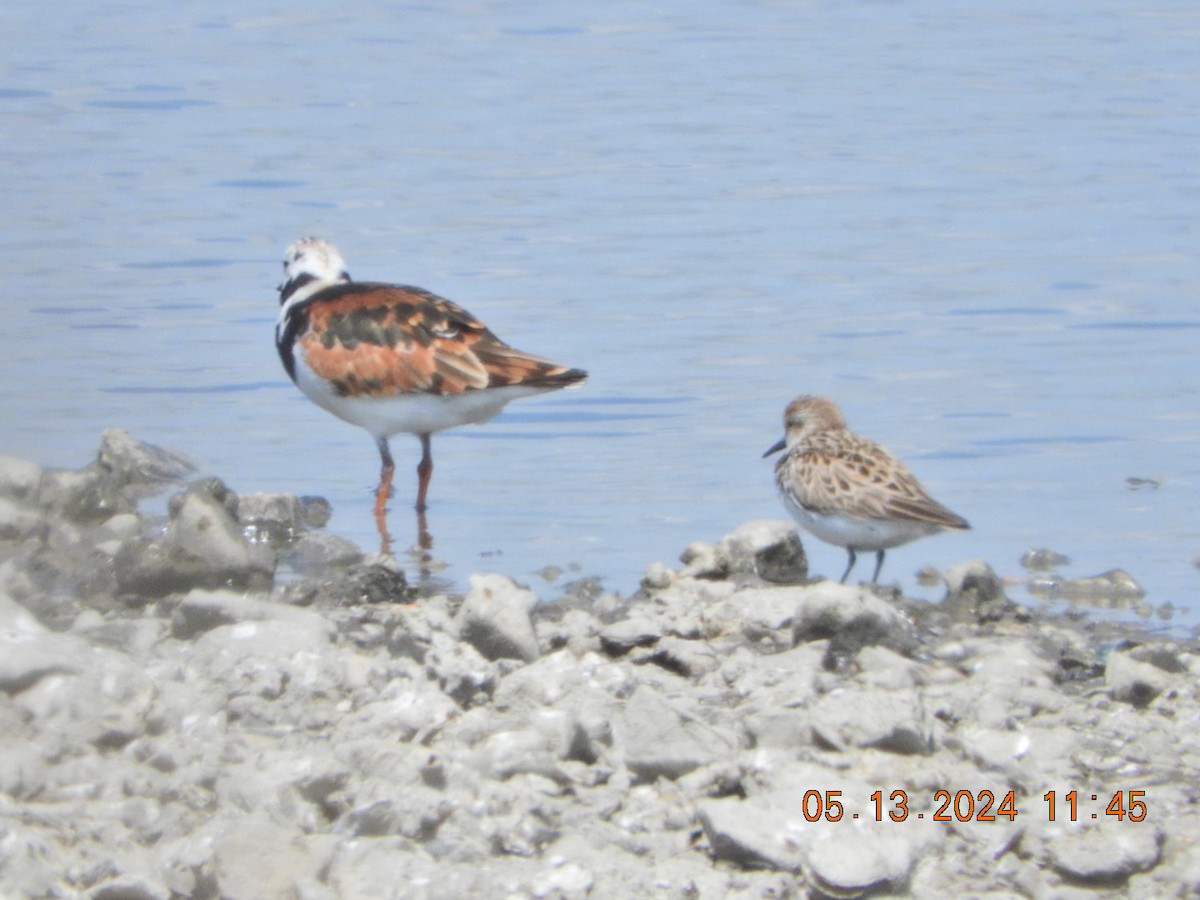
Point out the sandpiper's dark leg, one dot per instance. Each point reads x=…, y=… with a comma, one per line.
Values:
x=878, y=566
x=424, y=472
x=849, y=565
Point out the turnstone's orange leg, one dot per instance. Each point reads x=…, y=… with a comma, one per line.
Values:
x=424, y=472
x=384, y=491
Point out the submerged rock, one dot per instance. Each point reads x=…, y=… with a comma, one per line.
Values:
x=1116, y=587
x=1044, y=560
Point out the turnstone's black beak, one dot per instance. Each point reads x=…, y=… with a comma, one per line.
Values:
x=776, y=447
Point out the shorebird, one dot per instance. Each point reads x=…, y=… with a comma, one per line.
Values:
x=848, y=490
x=391, y=358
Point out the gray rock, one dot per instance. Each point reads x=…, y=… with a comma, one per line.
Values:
x=1132, y=681
x=315, y=512
x=1044, y=560
x=624, y=635
x=528, y=751
x=994, y=748
x=849, y=616
x=768, y=548
x=1105, y=856
x=136, y=638
x=272, y=672
x=391, y=868
x=31, y=654
x=254, y=857
x=657, y=577
x=852, y=867
x=578, y=631
x=758, y=614
x=881, y=667
x=18, y=522
x=131, y=887
x=125, y=469
x=557, y=678
x=685, y=658
x=1008, y=680
x=121, y=527
x=562, y=880
x=77, y=693
x=87, y=496
x=679, y=610
x=495, y=619
x=16, y=620
x=404, y=709
x=1112, y=588
x=33, y=862
x=318, y=553
x=19, y=478
x=203, y=547
x=462, y=672
x=753, y=834
x=975, y=593
x=201, y=610
x=23, y=770
x=777, y=710
x=664, y=741
x=373, y=580
x=418, y=816
x=703, y=560
x=135, y=462
x=270, y=518
x=887, y=720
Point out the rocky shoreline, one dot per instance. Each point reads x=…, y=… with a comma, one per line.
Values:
x=179, y=721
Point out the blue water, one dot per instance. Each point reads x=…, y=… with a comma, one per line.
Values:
x=973, y=225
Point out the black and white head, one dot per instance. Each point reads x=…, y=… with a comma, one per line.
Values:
x=312, y=264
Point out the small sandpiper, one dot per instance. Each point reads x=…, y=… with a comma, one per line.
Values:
x=848, y=490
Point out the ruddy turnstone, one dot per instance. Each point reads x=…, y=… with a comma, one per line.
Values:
x=847, y=490
x=393, y=359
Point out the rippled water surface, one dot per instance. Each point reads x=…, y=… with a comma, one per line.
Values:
x=974, y=226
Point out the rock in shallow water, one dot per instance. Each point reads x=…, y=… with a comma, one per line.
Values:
x=203, y=546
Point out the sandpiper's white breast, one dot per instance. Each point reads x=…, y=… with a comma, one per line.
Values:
x=861, y=534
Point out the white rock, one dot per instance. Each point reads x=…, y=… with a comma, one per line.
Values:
x=19, y=478
x=1132, y=681
x=495, y=618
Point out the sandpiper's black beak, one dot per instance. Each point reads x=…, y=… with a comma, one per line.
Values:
x=776, y=447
